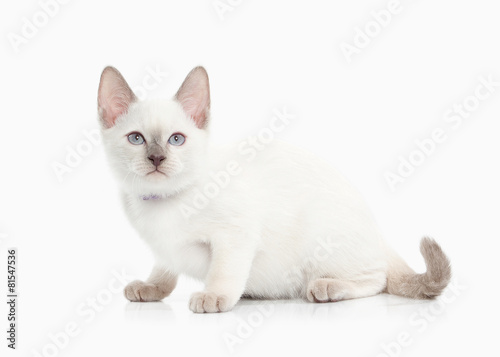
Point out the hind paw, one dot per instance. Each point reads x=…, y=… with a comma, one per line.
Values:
x=324, y=290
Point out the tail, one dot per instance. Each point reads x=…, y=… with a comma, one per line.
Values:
x=403, y=281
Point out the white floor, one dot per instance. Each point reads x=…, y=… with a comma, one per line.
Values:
x=382, y=325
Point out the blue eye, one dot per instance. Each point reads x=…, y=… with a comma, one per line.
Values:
x=136, y=139
x=177, y=139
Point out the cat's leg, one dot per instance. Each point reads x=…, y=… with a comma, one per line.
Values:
x=230, y=265
x=158, y=286
x=331, y=289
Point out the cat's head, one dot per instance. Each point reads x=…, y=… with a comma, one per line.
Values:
x=155, y=147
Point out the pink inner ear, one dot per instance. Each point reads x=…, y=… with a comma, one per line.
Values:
x=196, y=107
x=194, y=96
x=115, y=96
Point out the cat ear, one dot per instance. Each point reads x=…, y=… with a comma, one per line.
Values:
x=114, y=97
x=194, y=96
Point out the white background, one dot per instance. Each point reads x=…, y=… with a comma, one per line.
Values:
x=263, y=55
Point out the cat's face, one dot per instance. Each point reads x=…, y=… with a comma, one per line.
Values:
x=155, y=147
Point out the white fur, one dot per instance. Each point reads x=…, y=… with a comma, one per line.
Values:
x=286, y=220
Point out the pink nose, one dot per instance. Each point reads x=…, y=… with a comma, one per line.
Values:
x=156, y=160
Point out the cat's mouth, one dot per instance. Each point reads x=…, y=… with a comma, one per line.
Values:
x=156, y=173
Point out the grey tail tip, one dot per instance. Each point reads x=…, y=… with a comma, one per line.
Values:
x=403, y=281
x=438, y=274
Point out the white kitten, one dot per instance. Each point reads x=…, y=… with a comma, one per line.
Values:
x=282, y=225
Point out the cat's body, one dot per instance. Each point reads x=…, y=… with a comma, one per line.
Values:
x=283, y=230
x=281, y=225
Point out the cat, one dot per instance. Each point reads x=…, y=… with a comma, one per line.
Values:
x=283, y=225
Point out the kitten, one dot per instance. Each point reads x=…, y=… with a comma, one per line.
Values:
x=283, y=225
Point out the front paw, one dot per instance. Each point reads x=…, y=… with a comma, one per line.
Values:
x=210, y=302
x=142, y=292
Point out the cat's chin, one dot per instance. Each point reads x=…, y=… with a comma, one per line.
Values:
x=156, y=184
